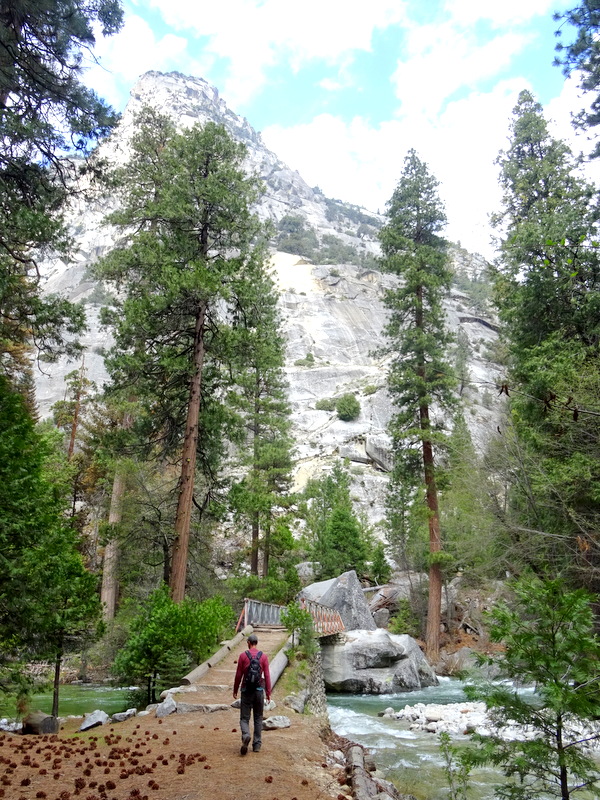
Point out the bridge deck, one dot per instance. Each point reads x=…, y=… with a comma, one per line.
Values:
x=216, y=685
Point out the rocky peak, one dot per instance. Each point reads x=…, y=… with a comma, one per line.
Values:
x=334, y=314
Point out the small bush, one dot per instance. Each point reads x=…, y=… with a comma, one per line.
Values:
x=325, y=404
x=347, y=407
x=370, y=389
x=307, y=361
x=405, y=620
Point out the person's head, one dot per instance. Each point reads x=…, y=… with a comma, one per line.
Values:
x=252, y=640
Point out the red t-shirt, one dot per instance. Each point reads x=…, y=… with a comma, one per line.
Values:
x=242, y=666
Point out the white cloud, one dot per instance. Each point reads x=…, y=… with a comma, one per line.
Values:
x=134, y=50
x=507, y=12
x=361, y=163
x=442, y=58
x=257, y=34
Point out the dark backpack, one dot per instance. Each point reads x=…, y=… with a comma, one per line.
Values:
x=253, y=670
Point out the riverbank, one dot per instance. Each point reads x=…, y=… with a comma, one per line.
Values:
x=181, y=757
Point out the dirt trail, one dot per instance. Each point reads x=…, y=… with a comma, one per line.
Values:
x=194, y=756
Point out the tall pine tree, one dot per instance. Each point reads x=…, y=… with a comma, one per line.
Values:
x=45, y=113
x=419, y=377
x=260, y=395
x=547, y=290
x=188, y=237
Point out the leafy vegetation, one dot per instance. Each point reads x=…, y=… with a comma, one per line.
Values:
x=347, y=407
x=549, y=641
x=166, y=639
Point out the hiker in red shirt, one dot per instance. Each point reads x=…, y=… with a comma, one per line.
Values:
x=253, y=674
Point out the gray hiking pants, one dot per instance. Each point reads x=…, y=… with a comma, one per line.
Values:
x=253, y=701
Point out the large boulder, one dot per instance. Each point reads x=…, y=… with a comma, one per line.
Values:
x=345, y=595
x=375, y=662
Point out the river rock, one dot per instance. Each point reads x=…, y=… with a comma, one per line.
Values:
x=168, y=706
x=94, y=719
x=38, y=722
x=375, y=662
x=345, y=595
x=277, y=721
x=205, y=708
x=297, y=701
x=123, y=715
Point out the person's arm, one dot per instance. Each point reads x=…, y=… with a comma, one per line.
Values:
x=267, y=676
x=239, y=674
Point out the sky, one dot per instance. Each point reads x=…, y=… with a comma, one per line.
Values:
x=341, y=90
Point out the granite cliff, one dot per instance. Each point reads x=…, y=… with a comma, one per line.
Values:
x=333, y=313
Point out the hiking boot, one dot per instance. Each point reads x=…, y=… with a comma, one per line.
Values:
x=255, y=748
x=245, y=743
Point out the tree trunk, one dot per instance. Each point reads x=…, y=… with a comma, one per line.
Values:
x=254, y=546
x=75, y=422
x=266, y=546
x=55, y=688
x=110, y=563
x=434, y=605
x=188, y=468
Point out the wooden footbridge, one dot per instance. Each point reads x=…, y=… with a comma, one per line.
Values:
x=326, y=621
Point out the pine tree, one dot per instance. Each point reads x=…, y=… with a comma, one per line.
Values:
x=45, y=113
x=419, y=375
x=582, y=57
x=258, y=356
x=547, y=290
x=188, y=237
x=549, y=275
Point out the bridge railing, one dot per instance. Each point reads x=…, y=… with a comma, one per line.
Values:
x=256, y=613
x=326, y=621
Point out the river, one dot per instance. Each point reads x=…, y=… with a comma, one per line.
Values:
x=76, y=700
x=410, y=759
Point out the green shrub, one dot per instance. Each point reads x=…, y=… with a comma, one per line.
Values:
x=307, y=361
x=370, y=389
x=405, y=620
x=166, y=639
x=325, y=404
x=347, y=407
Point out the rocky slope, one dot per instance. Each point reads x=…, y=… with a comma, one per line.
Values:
x=332, y=312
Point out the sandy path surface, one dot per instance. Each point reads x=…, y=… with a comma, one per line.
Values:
x=194, y=756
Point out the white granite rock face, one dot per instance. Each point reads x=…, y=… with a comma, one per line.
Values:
x=375, y=662
x=333, y=312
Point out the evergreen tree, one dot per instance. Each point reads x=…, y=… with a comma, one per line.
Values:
x=419, y=375
x=45, y=113
x=582, y=56
x=547, y=290
x=258, y=358
x=341, y=545
x=549, y=275
x=549, y=641
x=337, y=539
x=47, y=597
x=188, y=237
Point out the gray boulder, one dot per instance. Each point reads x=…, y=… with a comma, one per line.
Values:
x=345, y=595
x=381, y=617
x=121, y=716
x=204, y=708
x=168, y=706
x=297, y=702
x=94, y=719
x=375, y=662
x=279, y=721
